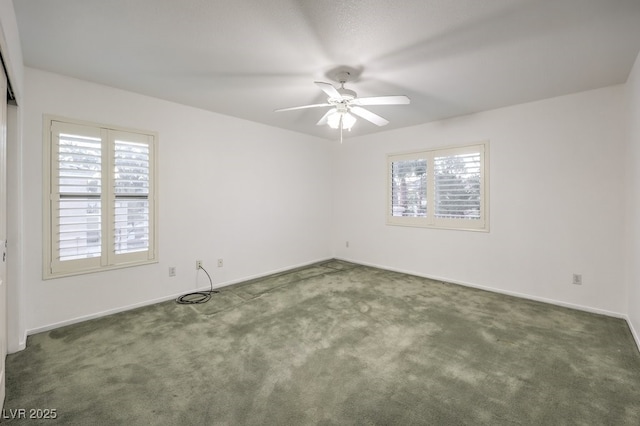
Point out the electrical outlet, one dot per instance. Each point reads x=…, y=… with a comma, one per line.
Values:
x=220, y=263
x=577, y=279
x=198, y=264
x=172, y=271
x=347, y=244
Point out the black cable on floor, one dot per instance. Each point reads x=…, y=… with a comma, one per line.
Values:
x=197, y=297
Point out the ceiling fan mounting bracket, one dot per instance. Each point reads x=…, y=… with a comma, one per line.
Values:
x=344, y=74
x=343, y=77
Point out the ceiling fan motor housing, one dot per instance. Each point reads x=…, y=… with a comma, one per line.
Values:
x=345, y=103
x=347, y=94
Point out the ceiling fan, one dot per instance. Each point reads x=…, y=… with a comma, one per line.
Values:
x=345, y=105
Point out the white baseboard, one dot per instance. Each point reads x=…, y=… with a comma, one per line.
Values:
x=22, y=344
x=634, y=332
x=141, y=304
x=18, y=346
x=495, y=290
x=82, y=318
x=266, y=274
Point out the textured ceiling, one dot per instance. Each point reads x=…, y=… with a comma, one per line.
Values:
x=245, y=58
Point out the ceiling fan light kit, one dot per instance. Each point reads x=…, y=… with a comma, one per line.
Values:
x=345, y=105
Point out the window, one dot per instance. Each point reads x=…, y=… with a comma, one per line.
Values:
x=100, y=206
x=443, y=188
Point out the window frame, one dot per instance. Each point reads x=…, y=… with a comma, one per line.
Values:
x=108, y=258
x=430, y=220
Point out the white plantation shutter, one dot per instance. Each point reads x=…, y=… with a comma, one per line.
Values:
x=101, y=206
x=443, y=188
x=76, y=198
x=408, y=187
x=131, y=185
x=459, y=187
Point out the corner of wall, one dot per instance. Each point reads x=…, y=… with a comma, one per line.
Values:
x=632, y=243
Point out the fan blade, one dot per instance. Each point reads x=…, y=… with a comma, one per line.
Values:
x=369, y=116
x=382, y=100
x=329, y=90
x=302, y=107
x=325, y=117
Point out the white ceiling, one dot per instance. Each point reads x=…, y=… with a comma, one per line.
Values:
x=245, y=58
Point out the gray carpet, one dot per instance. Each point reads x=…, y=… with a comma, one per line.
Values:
x=335, y=344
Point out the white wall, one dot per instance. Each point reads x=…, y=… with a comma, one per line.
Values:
x=556, y=191
x=633, y=200
x=257, y=196
x=557, y=197
x=556, y=202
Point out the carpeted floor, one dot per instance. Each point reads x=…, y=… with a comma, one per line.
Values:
x=334, y=344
